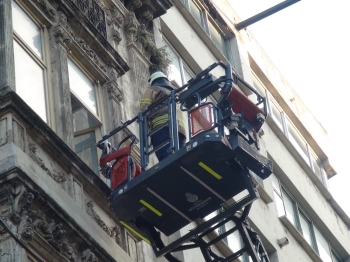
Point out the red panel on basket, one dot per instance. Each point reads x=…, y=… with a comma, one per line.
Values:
x=242, y=103
x=201, y=119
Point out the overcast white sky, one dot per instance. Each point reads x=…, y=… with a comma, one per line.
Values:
x=309, y=42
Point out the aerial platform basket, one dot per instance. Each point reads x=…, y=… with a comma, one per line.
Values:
x=191, y=183
x=211, y=172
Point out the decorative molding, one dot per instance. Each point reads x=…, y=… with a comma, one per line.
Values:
x=88, y=256
x=15, y=201
x=145, y=16
x=22, y=212
x=90, y=32
x=89, y=52
x=130, y=26
x=59, y=177
x=53, y=233
x=112, y=232
x=132, y=5
x=113, y=91
x=94, y=12
x=46, y=7
x=60, y=31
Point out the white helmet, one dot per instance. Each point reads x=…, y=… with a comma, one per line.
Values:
x=156, y=75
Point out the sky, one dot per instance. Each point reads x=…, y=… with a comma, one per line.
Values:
x=309, y=43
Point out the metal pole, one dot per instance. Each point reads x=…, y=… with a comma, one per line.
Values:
x=264, y=14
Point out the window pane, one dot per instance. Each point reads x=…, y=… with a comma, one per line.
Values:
x=82, y=86
x=322, y=245
x=187, y=76
x=276, y=184
x=335, y=258
x=279, y=204
x=297, y=141
x=195, y=11
x=217, y=38
x=305, y=226
x=234, y=240
x=289, y=208
x=26, y=28
x=258, y=86
x=86, y=149
x=276, y=114
x=175, y=71
x=83, y=119
x=30, y=81
x=316, y=168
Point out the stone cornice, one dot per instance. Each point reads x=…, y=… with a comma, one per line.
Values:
x=97, y=41
x=147, y=10
x=39, y=222
x=53, y=145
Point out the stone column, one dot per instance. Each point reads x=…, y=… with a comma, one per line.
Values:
x=59, y=44
x=7, y=66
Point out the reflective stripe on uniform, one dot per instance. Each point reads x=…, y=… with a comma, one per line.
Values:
x=160, y=120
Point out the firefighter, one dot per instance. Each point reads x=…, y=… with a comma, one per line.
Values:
x=159, y=86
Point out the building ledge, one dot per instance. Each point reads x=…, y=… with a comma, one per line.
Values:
x=264, y=195
x=308, y=171
x=300, y=239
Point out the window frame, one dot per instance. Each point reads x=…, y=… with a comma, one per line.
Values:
x=300, y=212
x=283, y=124
x=96, y=129
x=206, y=18
x=182, y=64
x=43, y=62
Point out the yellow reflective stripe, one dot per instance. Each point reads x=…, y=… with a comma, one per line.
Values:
x=160, y=120
x=181, y=122
x=146, y=101
x=209, y=170
x=135, y=232
x=150, y=207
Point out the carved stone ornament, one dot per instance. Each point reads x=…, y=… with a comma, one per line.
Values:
x=113, y=91
x=88, y=256
x=28, y=223
x=59, y=31
x=15, y=201
x=134, y=4
x=146, y=16
x=86, y=49
x=131, y=24
x=115, y=17
x=53, y=233
x=90, y=210
x=46, y=7
x=59, y=177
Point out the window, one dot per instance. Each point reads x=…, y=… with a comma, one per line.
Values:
x=85, y=115
x=30, y=66
x=298, y=142
x=218, y=38
x=291, y=132
x=292, y=210
x=179, y=72
x=322, y=246
x=276, y=113
x=196, y=12
x=209, y=26
x=306, y=229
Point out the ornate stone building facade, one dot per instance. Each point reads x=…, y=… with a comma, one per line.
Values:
x=73, y=70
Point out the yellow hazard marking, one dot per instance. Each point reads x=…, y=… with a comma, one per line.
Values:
x=150, y=207
x=135, y=232
x=210, y=171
